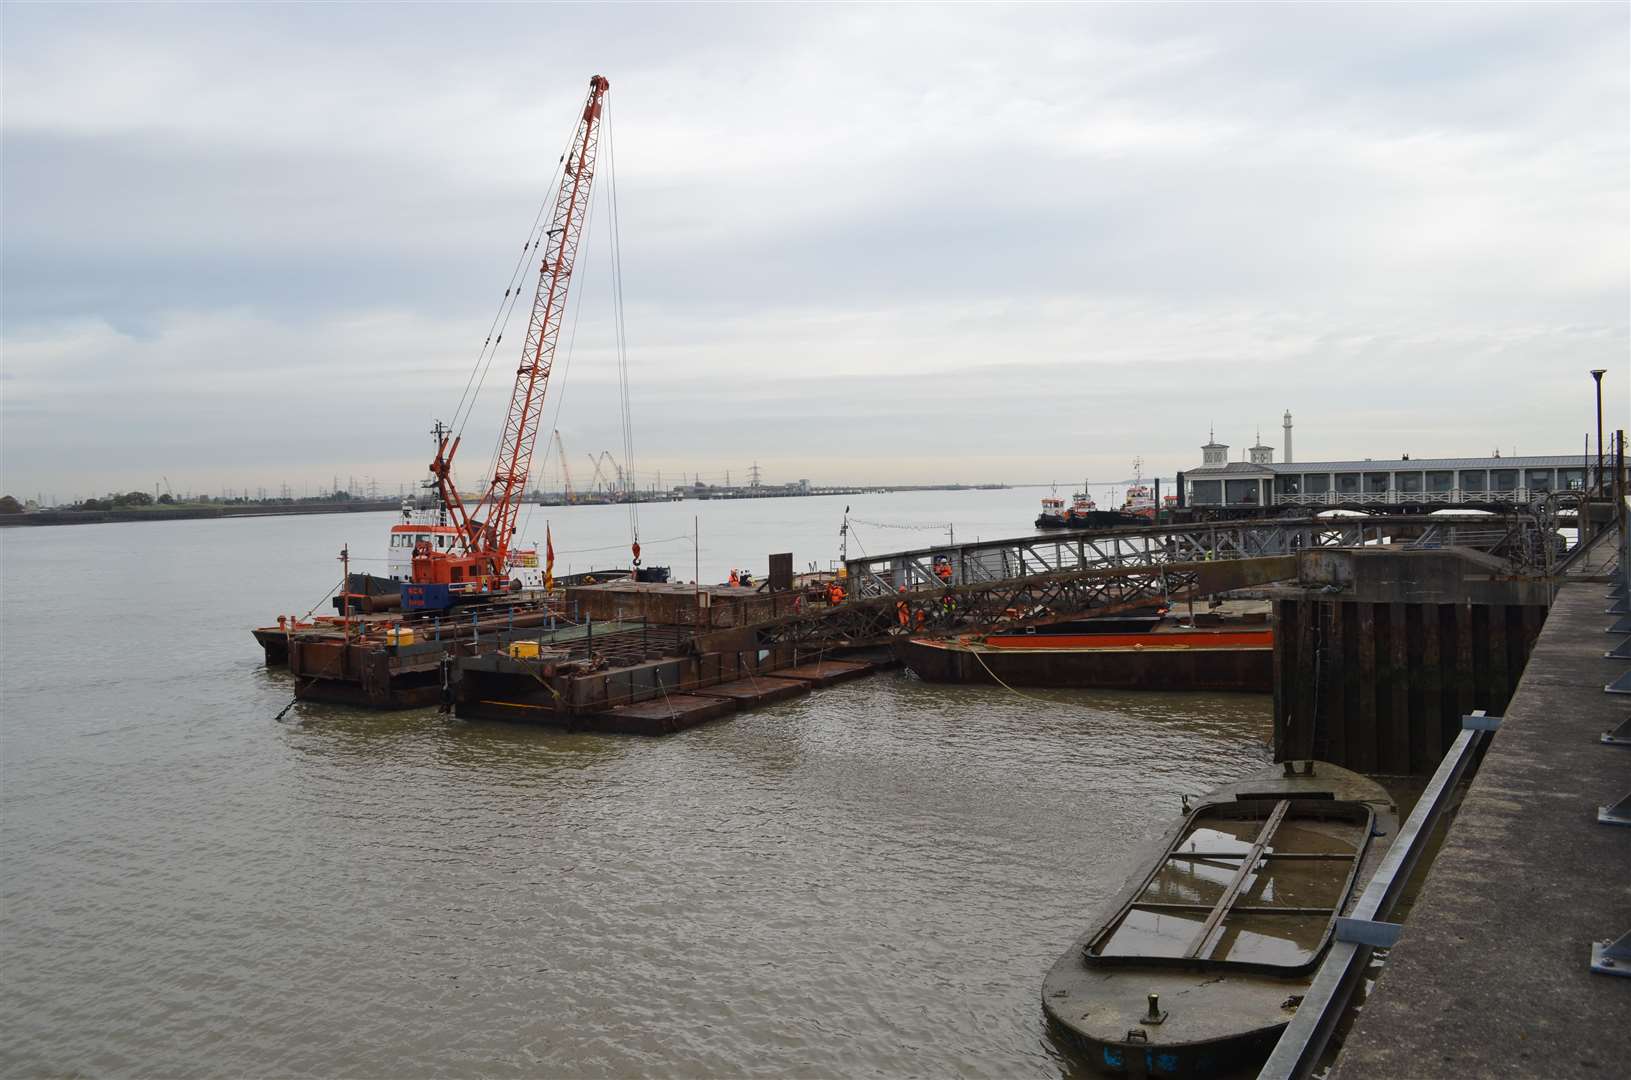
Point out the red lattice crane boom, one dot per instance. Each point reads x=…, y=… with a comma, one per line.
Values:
x=486, y=531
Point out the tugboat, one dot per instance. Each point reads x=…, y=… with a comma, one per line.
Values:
x=1085, y=514
x=1053, y=515
x=1201, y=959
x=1139, y=503
x=1082, y=508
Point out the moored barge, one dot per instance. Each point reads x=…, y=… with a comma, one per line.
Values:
x=1232, y=654
x=1201, y=959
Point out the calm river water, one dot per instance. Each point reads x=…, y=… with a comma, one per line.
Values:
x=867, y=881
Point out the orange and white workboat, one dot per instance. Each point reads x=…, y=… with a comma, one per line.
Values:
x=425, y=526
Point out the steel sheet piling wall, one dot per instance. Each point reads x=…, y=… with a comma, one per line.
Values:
x=1380, y=687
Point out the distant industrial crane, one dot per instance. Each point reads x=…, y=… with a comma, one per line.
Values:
x=566, y=472
x=485, y=532
x=610, y=480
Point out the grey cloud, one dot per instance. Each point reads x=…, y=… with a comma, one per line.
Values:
x=1020, y=238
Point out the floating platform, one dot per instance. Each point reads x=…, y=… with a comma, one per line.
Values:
x=759, y=690
x=655, y=697
x=660, y=716
x=825, y=673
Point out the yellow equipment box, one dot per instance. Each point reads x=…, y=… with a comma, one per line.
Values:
x=399, y=635
x=523, y=650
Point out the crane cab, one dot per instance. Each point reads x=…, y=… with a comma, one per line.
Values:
x=440, y=578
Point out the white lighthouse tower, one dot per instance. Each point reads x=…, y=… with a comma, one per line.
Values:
x=1287, y=426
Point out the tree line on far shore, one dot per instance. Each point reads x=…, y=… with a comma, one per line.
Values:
x=134, y=499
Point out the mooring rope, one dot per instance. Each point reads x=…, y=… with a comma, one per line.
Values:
x=1005, y=686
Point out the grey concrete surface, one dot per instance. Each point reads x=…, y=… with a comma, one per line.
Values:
x=1490, y=977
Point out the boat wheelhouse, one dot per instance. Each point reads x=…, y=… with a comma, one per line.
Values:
x=1053, y=515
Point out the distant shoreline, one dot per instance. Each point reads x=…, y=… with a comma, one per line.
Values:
x=158, y=512
x=185, y=513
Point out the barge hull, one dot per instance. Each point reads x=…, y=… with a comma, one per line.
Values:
x=1249, y=670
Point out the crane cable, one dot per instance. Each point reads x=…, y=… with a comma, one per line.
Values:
x=620, y=328
x=506, y=305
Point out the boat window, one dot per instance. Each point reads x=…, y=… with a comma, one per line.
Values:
x=1256, y=882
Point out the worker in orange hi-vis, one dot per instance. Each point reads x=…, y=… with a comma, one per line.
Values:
x=901, y=610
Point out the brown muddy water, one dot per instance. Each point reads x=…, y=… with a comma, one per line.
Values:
x=870, y=881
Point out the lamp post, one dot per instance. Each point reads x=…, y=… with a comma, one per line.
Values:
x=1597, y=375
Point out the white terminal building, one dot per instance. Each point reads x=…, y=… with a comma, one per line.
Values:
x=1259, y=480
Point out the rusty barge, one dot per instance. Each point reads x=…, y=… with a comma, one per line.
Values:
x=1231, y=651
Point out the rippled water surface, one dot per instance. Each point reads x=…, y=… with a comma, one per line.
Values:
x=867, y=881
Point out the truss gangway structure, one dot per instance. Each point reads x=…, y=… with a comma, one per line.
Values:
x=1016, y=602
x=1528, y=541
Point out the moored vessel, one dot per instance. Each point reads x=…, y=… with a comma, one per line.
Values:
x=1198, y=962
x=1053, y=515
x=1231, y=649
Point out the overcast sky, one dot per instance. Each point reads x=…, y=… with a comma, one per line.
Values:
x=259, y=245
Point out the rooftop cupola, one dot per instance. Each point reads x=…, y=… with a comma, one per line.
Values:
x=1261, y=454
x=1214, y=452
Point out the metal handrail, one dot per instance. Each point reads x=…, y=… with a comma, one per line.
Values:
x=1395, y=496
x=1305, y=1037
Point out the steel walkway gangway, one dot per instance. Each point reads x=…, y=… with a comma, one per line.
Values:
x=1016, y=602
x=1522, y=538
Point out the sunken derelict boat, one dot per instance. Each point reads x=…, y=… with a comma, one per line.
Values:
x=1196, y=965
